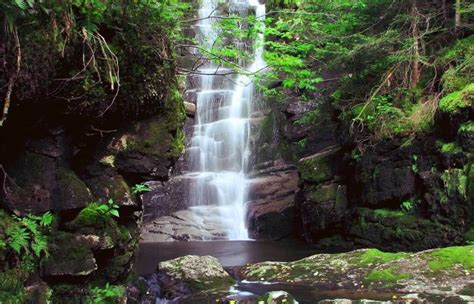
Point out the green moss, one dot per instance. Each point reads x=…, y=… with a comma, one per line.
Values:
x=324, y=194
x=454, y=102
x=90, y=217
x=450, y=148
x=317, y=168
x=446, y=258
x=73, y=191
x=466, y=127
x=373, y=256
x=383, y=213
x=387, y=277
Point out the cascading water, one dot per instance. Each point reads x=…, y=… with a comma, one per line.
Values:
x=219, y=149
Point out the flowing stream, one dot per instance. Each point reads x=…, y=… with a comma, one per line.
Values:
x=219, y=151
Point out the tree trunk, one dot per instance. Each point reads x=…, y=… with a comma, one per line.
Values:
x=458, y=21
x=415, y=66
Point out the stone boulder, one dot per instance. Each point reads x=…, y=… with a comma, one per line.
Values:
x=36, y=183
x=190, y=274
x=69, y=256
x=277, y=297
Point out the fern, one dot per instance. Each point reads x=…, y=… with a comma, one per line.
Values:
x=46, y=219
x=40, y=245
x=140, y=188
x=18, y=238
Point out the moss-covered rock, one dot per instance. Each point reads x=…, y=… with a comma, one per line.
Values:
x=72, y=191
x=319, y=167
x=366, y=270
x=395, y=230
x=69, y=256
x=193, y=274
x=277, y=297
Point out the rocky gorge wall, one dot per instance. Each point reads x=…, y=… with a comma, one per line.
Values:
x=405, y=193
x=76, y=149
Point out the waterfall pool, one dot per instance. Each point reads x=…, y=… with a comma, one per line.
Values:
x=229, y=253
x=233, y=254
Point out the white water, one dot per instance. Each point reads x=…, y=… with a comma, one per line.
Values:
x=219, y=150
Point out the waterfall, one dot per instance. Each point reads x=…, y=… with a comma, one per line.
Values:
x=219, y=149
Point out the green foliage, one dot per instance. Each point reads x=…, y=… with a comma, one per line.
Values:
x=466, y=127
x=455, y=182
x=105, y=295
x=96, y=215
x=141, y=188
x=414, y=166
x=108, y=209
x=450, y=148
x=407, y=206
x=459, y=59
x=308, y=118
x=27, y=235
x=446, y=258
x=27, y=238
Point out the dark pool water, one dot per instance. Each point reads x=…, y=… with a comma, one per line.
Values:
x=229, y=253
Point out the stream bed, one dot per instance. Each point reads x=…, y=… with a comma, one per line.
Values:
x=233, y=254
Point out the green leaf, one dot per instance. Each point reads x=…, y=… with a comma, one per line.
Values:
x=103, y=208
x=114, y=213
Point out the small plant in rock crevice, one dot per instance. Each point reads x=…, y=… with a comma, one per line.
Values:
x=109, y=209
x=407, y=206
x=28, y=234
x=141, y=188
x=107, y=294
x=414, y=166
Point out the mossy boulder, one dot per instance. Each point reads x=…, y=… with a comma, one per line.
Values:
x=277, y=297
x=445, y=272
x=37, y=183
x=106, y=183
x=69, y=256
x=72, y=191
x=151, y=146
x=191, y=275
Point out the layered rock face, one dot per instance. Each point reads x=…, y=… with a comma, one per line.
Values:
x=271, y=212
x=398, y=194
